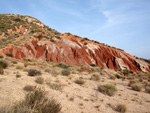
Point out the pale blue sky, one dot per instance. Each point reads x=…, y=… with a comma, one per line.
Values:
x=124, y=24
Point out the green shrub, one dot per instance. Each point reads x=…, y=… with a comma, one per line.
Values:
x=3, y=64
x=62, y=65
x=34, y=72
x=9, y=54
x=65, y=72
x=121, y=108
x=137, y=86
x=107, y=89
x=17, y=19
x=39, y=80
x=79, y=81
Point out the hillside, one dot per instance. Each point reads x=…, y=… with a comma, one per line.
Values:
x=27, y=37
x=44, y=71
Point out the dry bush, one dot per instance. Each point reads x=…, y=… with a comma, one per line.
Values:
x=1, y=70
x=133, y=81
x=121, y=108
x=39, y=80
x=14, y=62
x=137, y=86
x=34, y=72
x=55, y=86
x=95, y=77
x=3, y=64
x=9, y=54
x=54, y=73
x=35, y=102
x=1, y=56
x=147, y=90
x=112, y=77
x=48, y=70
x=29, y=88
x=65, y=72
x=107, y=89
x=19, y=66
x=79, y=81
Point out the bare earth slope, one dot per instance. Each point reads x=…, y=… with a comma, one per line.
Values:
x=26, y=37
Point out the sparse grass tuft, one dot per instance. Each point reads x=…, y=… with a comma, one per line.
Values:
x=107, y=89
x=121, y=108
x=137, y=86
x=39, y=80
x=65, y=72
x=34, y=72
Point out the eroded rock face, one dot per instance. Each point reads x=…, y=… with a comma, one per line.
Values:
x=71, y=50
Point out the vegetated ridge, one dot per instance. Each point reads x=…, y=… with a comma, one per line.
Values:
x=27, y=37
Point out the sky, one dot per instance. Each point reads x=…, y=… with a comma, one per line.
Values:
x=123, y=24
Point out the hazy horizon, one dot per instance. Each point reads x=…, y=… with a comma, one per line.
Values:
x=122, y=24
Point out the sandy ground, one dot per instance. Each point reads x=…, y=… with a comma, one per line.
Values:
x=75, y=98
